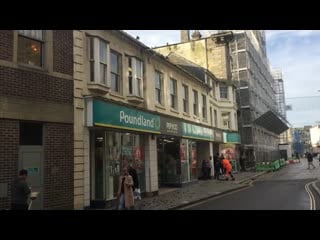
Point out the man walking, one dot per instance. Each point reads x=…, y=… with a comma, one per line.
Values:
x=310, y=160
x=20, y=192
x=217, y=166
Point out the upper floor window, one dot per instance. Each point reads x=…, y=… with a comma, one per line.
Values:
x=204, y=106
x=185, y=98
x=135, y=76
x=215, y=118
x=195, y=103
x=158, y=86
x=173, y=93
x=30, y=47
x=224, y=91
x=226, y=120
x=98, y=58
x=115, y=71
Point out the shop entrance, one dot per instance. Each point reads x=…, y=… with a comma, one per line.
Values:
x=169, y=167
x=111, y=151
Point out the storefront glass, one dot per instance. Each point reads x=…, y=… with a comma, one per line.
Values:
x=112, y=151
x=193, y=161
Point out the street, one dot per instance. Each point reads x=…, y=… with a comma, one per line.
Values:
x=281, y=190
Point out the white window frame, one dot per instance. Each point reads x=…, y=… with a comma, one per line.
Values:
x=118, y=74
x=160, y=89
x=174, y=94
x=224, y=86
x=204, y=106
x=137, y=90
x=195, y=105
x=185, y=98
x=226, y=120
x=94, y=61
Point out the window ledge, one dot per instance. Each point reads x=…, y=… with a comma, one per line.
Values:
x=160, y=106
x=117, y=95
x=98, y=87
x=32, y=67
x=205, y=120
x=174, y=110
x=135, y=99
x=186, y=114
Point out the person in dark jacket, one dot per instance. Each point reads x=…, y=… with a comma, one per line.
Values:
x=20, y=192
x=134, y=176
x=221, y=165
x=310, y=160
x=217, y=166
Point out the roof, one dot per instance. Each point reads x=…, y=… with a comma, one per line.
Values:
x=272, y=122
x=188, y=66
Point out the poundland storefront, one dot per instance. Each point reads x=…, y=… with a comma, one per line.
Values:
x=118, y=135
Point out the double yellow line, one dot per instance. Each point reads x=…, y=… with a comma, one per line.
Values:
x=312, y=200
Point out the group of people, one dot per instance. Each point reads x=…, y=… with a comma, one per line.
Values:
x=310, y=159
x=222, y=166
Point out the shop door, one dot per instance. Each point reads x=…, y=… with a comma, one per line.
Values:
x=31, y=159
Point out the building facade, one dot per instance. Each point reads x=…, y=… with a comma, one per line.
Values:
x=212, y=54
x=133, y=106
x=36, y=115
x=259, y=122
x=280, y=100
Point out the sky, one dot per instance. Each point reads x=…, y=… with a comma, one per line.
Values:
x=295, y=52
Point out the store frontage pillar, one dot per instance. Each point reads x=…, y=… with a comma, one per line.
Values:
x=151, y=165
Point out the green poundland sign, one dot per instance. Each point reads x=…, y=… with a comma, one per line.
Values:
x=231, y=138
x=111, y=115
x=197, y=132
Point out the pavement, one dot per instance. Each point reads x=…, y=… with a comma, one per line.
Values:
x=200, y=191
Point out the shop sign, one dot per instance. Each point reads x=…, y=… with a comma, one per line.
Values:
x=218, y=136
x=231, y=137
x=111, y=115
x=197, y=132
x=170, y=126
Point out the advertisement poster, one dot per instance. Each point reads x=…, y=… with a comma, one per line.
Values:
x=183, y=153
x=229, y=150
x=138, y=157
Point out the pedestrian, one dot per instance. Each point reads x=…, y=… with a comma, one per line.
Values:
x=135, y=188
x=242, y=160
x=228, y=168
x=125, y=191
x=217, y=166
x=20, y=192
x=310, y=160
x=221, y=164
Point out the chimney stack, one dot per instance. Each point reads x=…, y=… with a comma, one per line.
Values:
x=185, y=35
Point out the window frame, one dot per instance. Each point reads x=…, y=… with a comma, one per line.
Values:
x=119, y=68
x=185, y=98
x=174, y=96
x=42, y=41
x=158, y=90
x=195, y=102
x=204, y=106
x=133, y=79
x=221, y=95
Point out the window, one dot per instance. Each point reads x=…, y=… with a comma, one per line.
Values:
x=234, y=95
x=103, y=61
x=224, y=92
x=135, y=76
x=215, y=118
x=213, y=90
x=30, y=47
x=204, y=106
x=158, y=86
x=30, y=133
x=185, y=99
x=195, y=103
x=115, y=71
x=98, y=62
x=173, y=94
x=235, y=120
x=226, y=120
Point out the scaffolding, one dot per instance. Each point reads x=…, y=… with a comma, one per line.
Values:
x=256, y=94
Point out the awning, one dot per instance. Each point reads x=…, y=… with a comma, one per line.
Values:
x=272, y=122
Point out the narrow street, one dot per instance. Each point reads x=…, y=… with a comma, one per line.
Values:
x=281, y=190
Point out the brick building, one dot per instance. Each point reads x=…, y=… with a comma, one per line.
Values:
x=36, y=114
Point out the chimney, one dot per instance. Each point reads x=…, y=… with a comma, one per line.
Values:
x=185, y=35
x=196, y=35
